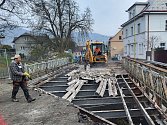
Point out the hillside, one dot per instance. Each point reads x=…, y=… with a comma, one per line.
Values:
x=10, y=34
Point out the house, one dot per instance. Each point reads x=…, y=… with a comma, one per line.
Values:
x=116, y=46
x=79, y=52
x=26, y=42
x=146, y=28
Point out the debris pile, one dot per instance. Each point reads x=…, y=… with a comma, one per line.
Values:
x=102, y=76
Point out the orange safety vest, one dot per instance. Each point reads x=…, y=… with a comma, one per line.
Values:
x=97, y=50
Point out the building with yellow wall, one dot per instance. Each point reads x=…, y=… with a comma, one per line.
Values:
x=116, y=46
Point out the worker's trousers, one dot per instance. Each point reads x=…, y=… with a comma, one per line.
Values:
x=16, y=86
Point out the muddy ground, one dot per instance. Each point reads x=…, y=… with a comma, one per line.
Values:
x=46, y=110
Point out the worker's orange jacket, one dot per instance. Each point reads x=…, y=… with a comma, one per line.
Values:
x=97, y=50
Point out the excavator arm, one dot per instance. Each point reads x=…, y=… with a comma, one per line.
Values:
x=88, y=54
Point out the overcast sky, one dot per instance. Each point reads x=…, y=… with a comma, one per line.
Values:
x=108, y=14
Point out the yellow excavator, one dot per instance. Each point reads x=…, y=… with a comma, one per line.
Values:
x=96, y=52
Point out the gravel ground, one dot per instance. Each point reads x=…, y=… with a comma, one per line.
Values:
x=46, y=110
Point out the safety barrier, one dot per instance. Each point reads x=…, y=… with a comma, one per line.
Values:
x=151, y=79
x=43, y=66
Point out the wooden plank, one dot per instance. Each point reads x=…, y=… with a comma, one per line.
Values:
x=100, y=87
x=110, y=91
x=70, y=87
x=98, y=80
x=71, y=73
x=72, y=82
x=115, y=93
x=103, y=88
x=69, y=78
x=76, y=91
x=71, y=91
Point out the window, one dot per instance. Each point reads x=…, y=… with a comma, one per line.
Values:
x=26, y=38
x=22, y=48
x=130, y=15
x=133, y=13
x=141, y=48
x=132, y=49
x=126, y=32
x=120, y=37
x=166, y=26
x=131, y=31
x=138, y=28
x=162, y=44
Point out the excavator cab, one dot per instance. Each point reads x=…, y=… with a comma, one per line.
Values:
x=96, y=52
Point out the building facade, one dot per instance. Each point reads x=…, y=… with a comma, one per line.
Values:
x=116, y=46
x=146, y=28
x=26, y=42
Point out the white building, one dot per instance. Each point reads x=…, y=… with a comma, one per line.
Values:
x=147, y=25
x=26, y=42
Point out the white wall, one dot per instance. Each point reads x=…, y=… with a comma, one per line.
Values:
x=156, y=29
x=133, y=50
x=23, y=45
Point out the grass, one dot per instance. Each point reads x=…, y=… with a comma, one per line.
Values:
x=3, y=63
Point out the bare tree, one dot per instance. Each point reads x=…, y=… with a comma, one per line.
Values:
x=11, y=14
x=152, y=44
x=1, y=4
x=60, y=18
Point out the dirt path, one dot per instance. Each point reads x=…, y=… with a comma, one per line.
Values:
x=46, y=110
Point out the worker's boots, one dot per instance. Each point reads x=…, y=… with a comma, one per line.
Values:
x=30, y=99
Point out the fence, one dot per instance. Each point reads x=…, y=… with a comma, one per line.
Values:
x=43, y=66
x=4, y=73
x=152, y=80
x=40, y=67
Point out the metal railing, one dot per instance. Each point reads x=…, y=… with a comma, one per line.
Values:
x=43, y=66
x=38, y=67
x=151, y=79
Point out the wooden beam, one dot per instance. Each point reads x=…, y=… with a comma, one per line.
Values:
x=103, y=88
x=110, y=91
x=100, y=87
x=71, y=91
x=76, y=91
x=72, y=82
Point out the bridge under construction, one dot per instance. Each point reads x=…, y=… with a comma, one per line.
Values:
x=130, y=92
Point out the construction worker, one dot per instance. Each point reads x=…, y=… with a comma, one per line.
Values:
x=97, y=51
x=19, y=78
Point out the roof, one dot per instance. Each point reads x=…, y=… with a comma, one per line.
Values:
x=35, y=37
x=153, y=7
x=137, y=3
x=116, y=35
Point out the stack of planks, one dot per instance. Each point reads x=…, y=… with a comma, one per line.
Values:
x=111, y=82
x=74, y=87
